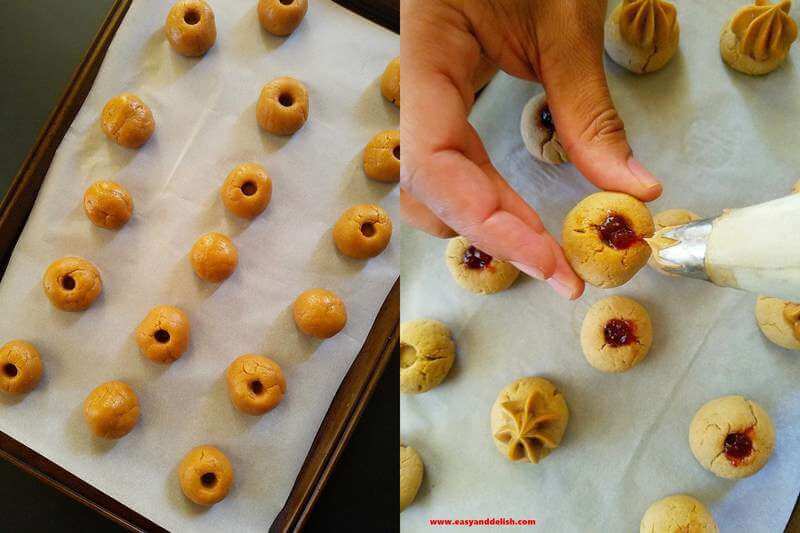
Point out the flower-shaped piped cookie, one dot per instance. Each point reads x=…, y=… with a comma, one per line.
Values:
x=678, y=513
x=477, y=271
x=757, y=38
x=616, y=334
x=539, y=131
x=427, y=352
x=411, y=470
x=642, y=35
x=779, y=321
x=529, y=418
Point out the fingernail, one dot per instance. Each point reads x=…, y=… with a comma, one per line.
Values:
x=644, y=177
x=530, y=270
x=560, y=288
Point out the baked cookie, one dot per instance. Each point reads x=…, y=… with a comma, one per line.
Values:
x=127, y=120
x=111, y=410
x=72, y=283
x=539, y=131
x=206, y=475
x=676, y=513
x=255, y=384
x=390, y=81
x=319, y=313
x=282, y=106
x=667, y=219
x=382, y=156
x=732, y=436
x=427, y=352
x=642, y=35
x=247, y=190
x=214, y=257
x=478, y=271
x=163, y=335
x=22, y=367
x=616, y=334
x=779, y=321
x=756, y=39
x=281, y=17
x=411, y=470
x=107, y=204
x=604, y=238
x=529, y=418
x=363, y=231
x=190, y=27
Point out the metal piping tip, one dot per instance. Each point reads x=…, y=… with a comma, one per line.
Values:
x=681, y=250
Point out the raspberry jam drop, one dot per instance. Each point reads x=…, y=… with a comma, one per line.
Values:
x=619, y=332
x=546, y=118
x=616, y=233
x=737, y=447
x=476, y=259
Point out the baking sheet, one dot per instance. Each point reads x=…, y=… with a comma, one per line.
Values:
x=205, y=125
x=718, y=139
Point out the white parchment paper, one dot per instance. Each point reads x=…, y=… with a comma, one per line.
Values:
x=205, y=125
x=718, y=139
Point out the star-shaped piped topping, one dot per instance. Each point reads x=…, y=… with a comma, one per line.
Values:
x=522, y=433
x=646, y=23
x=764, y=29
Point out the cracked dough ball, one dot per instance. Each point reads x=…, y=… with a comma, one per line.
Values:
x=255, y=384
x=190, y=27
x=107, y=204
x=779, y=321
x=427, y=352
x=539, y=131
x=666, y=219
x=411, y=470
x=363, y=231
x=603, y=238
x=214, y=257
x=127, y=121
x=676, y=513
x=390, y=81
x=732, y=436
x=757, y=38
x=111, y=410
x=281, y=17
x=529, y=419
x=206, y=475
x=282, y=107
x=163, y=335
x=319, y=313
x=382, y=156
x=72, y=283
x=616, y=334
x=477, y=271
x=642, y=35
x=21, y=367
x=247, y=190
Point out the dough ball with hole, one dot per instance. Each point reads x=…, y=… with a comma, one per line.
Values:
x=282, y=107
x=281, y=17
x=363, y=231
x=427, y=353
x=255, y=384
x=191, y=29
x=247, y=190
x=382, y=156
x=20, y=367
x=206, y=475
x=72, y=283
x=163, y=335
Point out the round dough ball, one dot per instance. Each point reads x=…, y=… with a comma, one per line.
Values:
x=247, y=190
x=666, y=219
x=319, y=313
x=163, y=335
x=281, y=17
x=255, y=384
x=282, y=106
x=214, y=257
x=678, y=512
x=529, y=418
x=390, y=81
x=757, y=38
x=539, y=132
x=206, y=475
x=72, y=283
x=732, y=436
x=363, y=231
x=642, y=35
x=190, y=27
x=616, y=334
x=127, y=121
x=21, y=367
x=382, y=156
x=604, y=238
x=411, y=470
x=108, y=204
x=111, y=410
x=427, y=353
x=779, y=321
x=477, y=271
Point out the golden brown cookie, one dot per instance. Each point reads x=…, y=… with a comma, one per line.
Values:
x=757, y=38
x=390, y=81
x=779, y=321
x=642, y=35
x=206, y=475
x=107, y=204
x=667, y=219
x=127, y=120
x=21, y=367
x=190, y=27
x=72, y=283
x=214, y=257
x=111, y=410
x=282, y=106
x=603, y=238
x=247, y=190
x=363, y=231
x=163, y=335
x=382, y=156
x=255, y=384
x=529, y=418
x=616, y=334
x=319, y=313
x=678, y=513
x=411, y=470
x=476, y=270
x=427, y=352
x=281, y=17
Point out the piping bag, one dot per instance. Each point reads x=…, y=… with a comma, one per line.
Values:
x=756, y=248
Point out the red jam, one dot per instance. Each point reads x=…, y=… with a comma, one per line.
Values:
x=738, y=446
x=475, y=259
x=546, y=118
x=619, y=332
x=616, y=233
